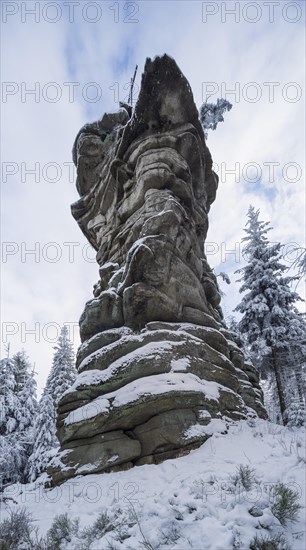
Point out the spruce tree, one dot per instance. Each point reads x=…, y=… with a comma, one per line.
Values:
x=63, y=372
x=25, y=389
x=270, y=321
x=18, y=411
x=61, y=377
x=45, y=440
x=8, y=400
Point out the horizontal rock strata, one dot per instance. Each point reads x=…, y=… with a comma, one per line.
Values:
x=141, y=397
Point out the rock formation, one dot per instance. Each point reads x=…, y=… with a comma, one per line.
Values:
x=156, y=364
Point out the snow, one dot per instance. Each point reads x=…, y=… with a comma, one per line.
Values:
x=121, y=331
x=113, y=458
x=180, y=364
x=97, y=406
x=150, y=385
x=195, y=431
x=87, y=378
x=203, y=414
x=189, y=501
x=215, y=426
x=152, y=347
x=150, y=350
x=164, y=383
x=86, y=468
x=143, y=350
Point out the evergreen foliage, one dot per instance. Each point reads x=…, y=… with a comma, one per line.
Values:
x=18, y=411
x=274, y=329
x=61, y=377
x=63, y=372
x=27, y=430
x=45, y=440
x=212, y=113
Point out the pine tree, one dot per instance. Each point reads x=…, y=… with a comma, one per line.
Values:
x=61, y=377
x=270, y=320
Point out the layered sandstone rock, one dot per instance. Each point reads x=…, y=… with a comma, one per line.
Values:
x=156, y=364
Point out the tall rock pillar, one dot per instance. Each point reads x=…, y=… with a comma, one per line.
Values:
x=156, y=365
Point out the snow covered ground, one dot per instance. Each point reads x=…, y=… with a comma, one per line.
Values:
x=195, y=501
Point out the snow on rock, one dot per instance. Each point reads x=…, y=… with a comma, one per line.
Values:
x=150, y=385
x=180, y=364
x=215, y=426
x=164, y=383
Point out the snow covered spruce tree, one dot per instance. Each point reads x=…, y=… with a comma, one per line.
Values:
x=275, y=331
x=63, y=372
x=45, y=440
x=8, y=421
x=18, y=411
x=8, y=402
x=25, y=390
x=61, y=377
x=27, y=408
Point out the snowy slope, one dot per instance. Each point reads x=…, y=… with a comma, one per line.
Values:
x=189, y=502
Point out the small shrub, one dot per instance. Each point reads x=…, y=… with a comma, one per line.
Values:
x=111, y=545
x=295, y=415
x=101, y=526
x=118, y=526
x=237, y=543
x=121, y=533
x=245, y=476
x=172, y=535
x=62, y=530
x=285, y=505
x=145, y=543
x=18, y=532
x=15, y=529
x=271, y=542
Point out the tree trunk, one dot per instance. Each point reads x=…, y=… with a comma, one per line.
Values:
x=279, y=384
x=294, y=358
x=299, y=383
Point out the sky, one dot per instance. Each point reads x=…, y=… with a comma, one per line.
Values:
x=66, y=63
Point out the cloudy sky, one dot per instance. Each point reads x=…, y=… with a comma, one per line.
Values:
x=66, y=63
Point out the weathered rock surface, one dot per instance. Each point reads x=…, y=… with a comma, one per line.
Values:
x=156, y=363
